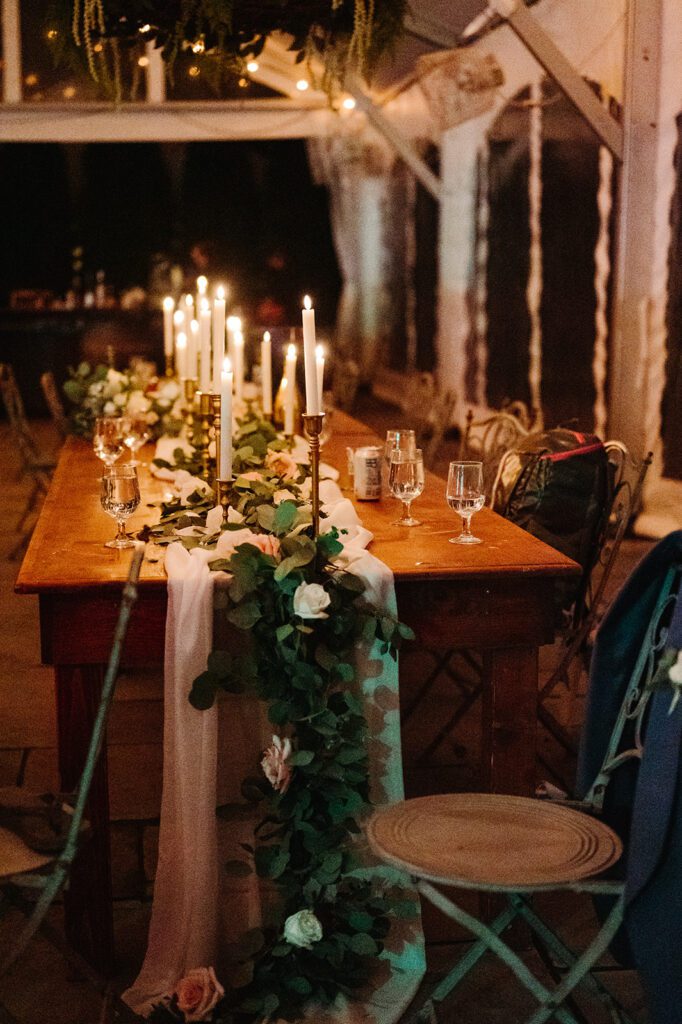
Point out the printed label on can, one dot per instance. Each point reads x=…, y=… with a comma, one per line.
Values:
x=367, y=462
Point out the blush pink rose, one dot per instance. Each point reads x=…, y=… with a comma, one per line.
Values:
x=282, y=464
x=275, y=764
x=198, y=993
x=266, y=543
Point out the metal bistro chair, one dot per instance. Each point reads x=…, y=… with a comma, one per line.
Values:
x=34, y=464
x=39, y=840
x=54, y=402
x=489, y=439
x=519, y=846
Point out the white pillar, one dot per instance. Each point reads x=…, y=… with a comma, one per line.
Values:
x=456, y=251
x=653, y=96
x=11, y=51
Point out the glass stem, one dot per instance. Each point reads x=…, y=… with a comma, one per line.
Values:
x=121, y=534
x=466, y=526
x=406, y=509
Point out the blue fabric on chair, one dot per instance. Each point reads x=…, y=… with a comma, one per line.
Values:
x=643, y=802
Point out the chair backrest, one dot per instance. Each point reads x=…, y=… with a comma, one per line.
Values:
x=54, y=402
x=626, y=742
x=98, y=732
x=16, y=415
x=489, y=439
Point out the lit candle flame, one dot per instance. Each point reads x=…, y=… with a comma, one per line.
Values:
x=178, y=317
x=202, y=284
x=189, y=300
x=234, y=323
x=308, y=302
x=194, y=326
x=168, y=303
x=319, y=352
x=291, y=352
x=238, y=338
x=220, y=292
x=266, y=336
x=227, y=365
x=181, y=340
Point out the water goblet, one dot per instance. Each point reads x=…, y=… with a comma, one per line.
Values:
x=464, y=494
x=404, y=440
x=108, y=438
x=137, y=433
x=406, y=480
x=120, y=496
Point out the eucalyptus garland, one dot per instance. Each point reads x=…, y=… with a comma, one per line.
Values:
x=345, y=34
x=296, y=618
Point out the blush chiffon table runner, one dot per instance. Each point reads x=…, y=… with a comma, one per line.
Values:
x=187, y=927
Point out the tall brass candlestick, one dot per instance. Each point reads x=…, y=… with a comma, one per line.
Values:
x=313, y=428
x=223, y=488
x=170, y=369
x=205, y=414
x=190, y=395
x=215, y=409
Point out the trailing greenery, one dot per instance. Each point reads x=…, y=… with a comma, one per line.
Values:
x=296, y=619
x=345, y=34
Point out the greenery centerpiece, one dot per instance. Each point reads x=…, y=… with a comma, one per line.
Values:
x=296, y=617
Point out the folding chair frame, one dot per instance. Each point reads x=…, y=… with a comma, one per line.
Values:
x=50, y=882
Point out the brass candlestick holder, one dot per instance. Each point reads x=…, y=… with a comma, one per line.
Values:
x=223, y=488
x=190, y=386
x=313, y=426
x=170, y=369
x=205, y=413
x=215, y=409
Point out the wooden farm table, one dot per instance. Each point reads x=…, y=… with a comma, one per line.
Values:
x=495, y=597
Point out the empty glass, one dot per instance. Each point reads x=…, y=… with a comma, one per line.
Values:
x=137, y=433
x=465, y=495
x=406, y=480
x=108, y=438
x=120, y=496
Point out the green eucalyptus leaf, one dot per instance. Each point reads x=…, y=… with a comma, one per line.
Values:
x=301, y=758
x=203, y=693
x=245, y=615
x=285, y=516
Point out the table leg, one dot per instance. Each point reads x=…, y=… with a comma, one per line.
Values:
x=510, y=696
x=88, y=899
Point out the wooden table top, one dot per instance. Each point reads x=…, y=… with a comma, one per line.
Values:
x=67, y=552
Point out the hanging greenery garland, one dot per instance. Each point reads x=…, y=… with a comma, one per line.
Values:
x=346, y=35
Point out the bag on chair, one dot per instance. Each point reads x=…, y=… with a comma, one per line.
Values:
x=558, y=485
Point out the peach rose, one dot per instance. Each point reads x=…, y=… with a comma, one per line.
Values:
x=275, y=764
x=253, y=474
x=282, y=464
x=266, y=543
x=198, y=993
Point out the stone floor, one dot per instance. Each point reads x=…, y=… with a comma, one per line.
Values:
x=41, y=989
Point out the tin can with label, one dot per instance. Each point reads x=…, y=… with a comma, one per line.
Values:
x=367, y=465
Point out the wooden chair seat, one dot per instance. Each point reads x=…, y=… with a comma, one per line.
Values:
x=492, y=841
x=16, y=858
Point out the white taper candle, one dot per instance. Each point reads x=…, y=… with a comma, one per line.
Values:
x=224, y=466
x=205, y=345
x=266, y=372
x=311, y=390
x=168, y=307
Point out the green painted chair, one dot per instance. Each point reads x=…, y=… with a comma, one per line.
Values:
x=518, y=846
x=40, y=837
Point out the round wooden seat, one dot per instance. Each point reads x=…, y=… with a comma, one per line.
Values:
x=16, y=857
x=489, y=841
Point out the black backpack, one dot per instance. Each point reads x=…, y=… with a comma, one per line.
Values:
x=558, y=485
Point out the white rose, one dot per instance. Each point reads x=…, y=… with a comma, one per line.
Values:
x=120, y=399
x=302, y=929
x=169, y=391
x=109, y=409
x=138, y=405
x=310, y=600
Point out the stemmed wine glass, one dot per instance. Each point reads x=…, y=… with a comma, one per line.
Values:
x=108, y=438
x=406, y=480
x=137, y=433
x=465, y=495
x=120, y=496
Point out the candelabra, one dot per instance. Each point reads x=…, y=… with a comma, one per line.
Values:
x=190, y=386
x=205, y=410
x=313, y=427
